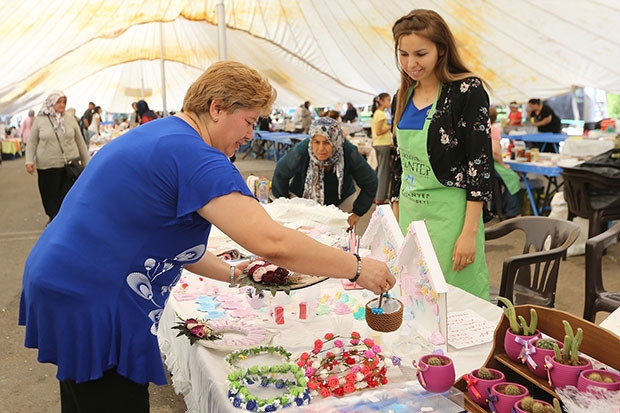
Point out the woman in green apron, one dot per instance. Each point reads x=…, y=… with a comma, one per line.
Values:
x=512, y=182
x=442, y=130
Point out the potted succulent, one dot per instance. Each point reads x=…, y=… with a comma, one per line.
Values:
x=435, y=372
x=541, y=347
x=531, y=405
x=520, y=335
x=480, y=381
x=566, y=364
x=503, y=396
x=598, y=378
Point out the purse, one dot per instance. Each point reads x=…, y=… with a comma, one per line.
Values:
x=73, y=166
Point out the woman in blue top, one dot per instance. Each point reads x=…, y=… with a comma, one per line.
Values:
x=325, y=168
x=95, y=284
x=443, y=135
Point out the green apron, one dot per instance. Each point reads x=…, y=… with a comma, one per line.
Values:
x=423, y=197
x=510, y=178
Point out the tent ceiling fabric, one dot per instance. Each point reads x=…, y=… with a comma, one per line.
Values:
x=324, y=51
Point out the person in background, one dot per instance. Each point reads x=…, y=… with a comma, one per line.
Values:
x=144, y=113
x=325, y=168
x=515, y=117
x=545, y=119
x=334, y=114
x=382, y=143
x=134, y=120
x=264, y=123
x=95, y=284
x=512, y=182
x=54, y=139
x=86, y=120
x=306, y=117
x=350, y=116
x=27, y=126
x=95, y=124
x=443, y=134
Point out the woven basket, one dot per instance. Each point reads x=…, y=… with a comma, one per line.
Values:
x=390, y=320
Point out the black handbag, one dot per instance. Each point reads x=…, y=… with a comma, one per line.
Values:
x=74, y=166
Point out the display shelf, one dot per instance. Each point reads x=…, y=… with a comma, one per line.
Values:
x=595, y=342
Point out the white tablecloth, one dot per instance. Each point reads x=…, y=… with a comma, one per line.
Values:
x=200, y=373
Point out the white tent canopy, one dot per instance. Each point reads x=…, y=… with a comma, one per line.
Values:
x=328, y=52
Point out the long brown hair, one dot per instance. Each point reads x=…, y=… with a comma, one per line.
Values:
x=450, y=66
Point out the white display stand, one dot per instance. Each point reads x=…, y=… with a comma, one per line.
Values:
x=423, y=288
x=384, y=239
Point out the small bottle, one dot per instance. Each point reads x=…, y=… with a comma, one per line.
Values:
x=262, y=191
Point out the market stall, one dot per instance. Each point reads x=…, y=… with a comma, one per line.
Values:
x=316, y=310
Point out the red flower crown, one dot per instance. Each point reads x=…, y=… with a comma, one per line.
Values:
x=334, y=367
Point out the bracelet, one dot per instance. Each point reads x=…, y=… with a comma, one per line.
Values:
x=359, y=269
x=232, y=277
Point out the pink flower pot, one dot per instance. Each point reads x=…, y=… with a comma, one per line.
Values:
x=562, y=375
x=584, y=383
x=517, y=407
x=536, y=361
x=515, y=345
x=436, y=379
x=503, y=403
x=478, y=389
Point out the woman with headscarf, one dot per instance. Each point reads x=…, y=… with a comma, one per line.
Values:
x=325, y=168
x=144, y=113
x=54, y=138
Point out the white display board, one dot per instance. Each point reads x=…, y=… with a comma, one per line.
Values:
x=423, y=288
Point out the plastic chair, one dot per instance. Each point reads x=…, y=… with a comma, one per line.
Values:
x=591, y=196
x=597, y=298
x=531, y=278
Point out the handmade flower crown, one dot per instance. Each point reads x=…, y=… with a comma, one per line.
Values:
x=334, y=367
x=241, y=380
x=195, y=330
x=263, y=275
x=232, y=358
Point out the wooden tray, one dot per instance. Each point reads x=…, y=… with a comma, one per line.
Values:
x=596, y=343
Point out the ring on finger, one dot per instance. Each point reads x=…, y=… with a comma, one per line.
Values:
x=468, y=261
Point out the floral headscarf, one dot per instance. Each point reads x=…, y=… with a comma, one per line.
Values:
x=48, y=110
x=313, y=186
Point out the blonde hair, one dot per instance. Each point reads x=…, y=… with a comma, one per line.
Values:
x=430, y=25
x=234, y=84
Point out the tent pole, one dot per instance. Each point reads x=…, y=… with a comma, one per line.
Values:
x=163, y=68
x=221, y=28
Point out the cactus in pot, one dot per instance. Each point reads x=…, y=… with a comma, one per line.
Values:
x=518, y=325
x=569, y=354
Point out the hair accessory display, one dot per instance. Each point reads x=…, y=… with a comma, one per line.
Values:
x=241, y=381
x=339, y=365
x=244, y=354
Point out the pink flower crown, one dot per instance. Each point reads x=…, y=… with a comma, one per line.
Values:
x=334, y=367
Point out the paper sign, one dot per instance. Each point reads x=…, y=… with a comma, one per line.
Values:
x=467, y=328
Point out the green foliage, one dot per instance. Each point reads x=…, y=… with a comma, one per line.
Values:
x=520, y=326
x=512, y=390
x=570, y=353
x=486, y=374
x=613, y=105
x=434, y=361
x=546, y=343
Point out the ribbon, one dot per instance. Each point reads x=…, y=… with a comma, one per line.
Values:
x=527, y=349
x=421, y=368
x=548, y=366
x=492, y=400
x=471, y=385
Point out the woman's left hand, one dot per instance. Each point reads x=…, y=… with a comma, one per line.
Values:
x=464, y=252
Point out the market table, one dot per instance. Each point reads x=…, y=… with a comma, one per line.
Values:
x=551, y=172
x=543, y=137
x=199, y=373
x=278, y=143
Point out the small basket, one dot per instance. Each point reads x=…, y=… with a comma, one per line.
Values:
x=391, y=318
